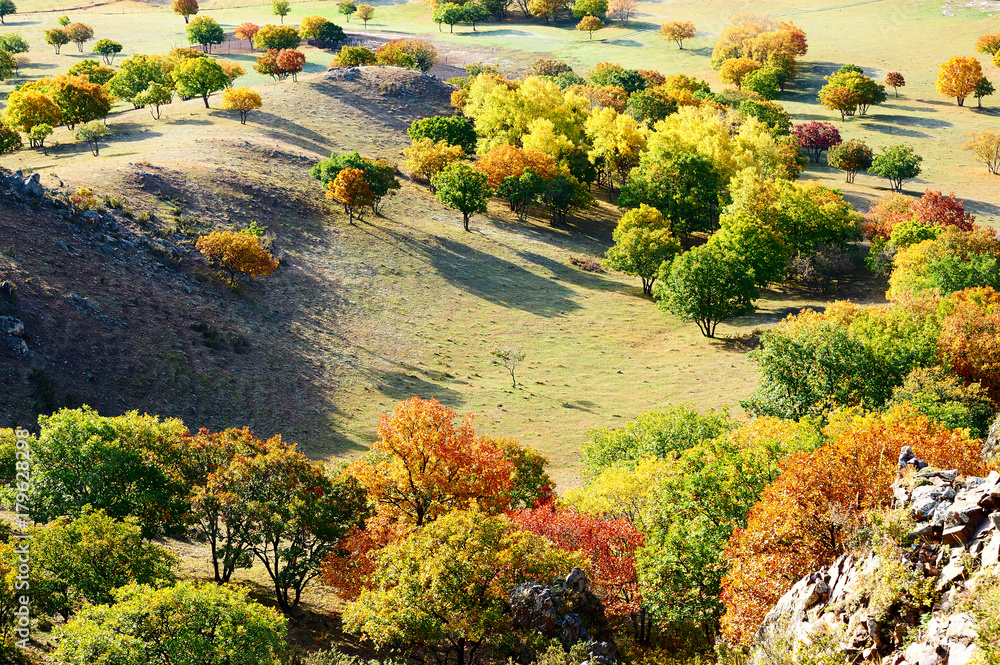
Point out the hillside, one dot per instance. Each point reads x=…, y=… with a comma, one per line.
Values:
x=357, y=317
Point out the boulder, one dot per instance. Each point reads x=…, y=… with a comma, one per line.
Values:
x=32, y=186
x=991, y=445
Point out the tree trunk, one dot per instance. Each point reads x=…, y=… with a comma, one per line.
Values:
x=465, y=220
x=186, y=18
x=961, y=101
x=205, y=97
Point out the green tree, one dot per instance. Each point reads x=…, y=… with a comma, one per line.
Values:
x=449, y=13
x=7, y=65
x=123, y=465
x=108, y=48
x=896, y=163
x=7, y=7
x=380, y=176
x=92, y=133
x=983, y=89
x=474, y=12
x=707, y=284
x=583, y=8
x=446, y=585
x=86, y=559
x=453, y=130
x=763, y=81
x=186, y=624
x=281, y=8
x=295, y=514
x=461, y=187
x=649, y=106
x=155, y=96
x=199, y=77
x=643, y=242
x=947, y=399
x=137, y=73
x=661, y=434
x=563, y=194
x=205, y=31
x=38, y=134
x=347, y=8
x=13, y=43
x=93, y=71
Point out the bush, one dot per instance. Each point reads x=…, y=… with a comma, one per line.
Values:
x=946, y=399
x=329, y=36
x=205, y=624
x=276, y=37
x=409, y=53
x=354, y=56
x=454, y=130
x=238, y=254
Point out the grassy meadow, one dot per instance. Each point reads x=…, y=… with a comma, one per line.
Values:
x=409, y=304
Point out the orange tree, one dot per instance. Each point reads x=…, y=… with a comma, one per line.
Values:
x=186, y=8
x=806, y=518
x=677, y=32
x=246, y=31
x=896, y=81
x=958, y=77
x=291, y=61
x=505, y=168
x=350, y=189
x=970, y=336
x=237, y=253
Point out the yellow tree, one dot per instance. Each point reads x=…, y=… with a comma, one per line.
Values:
x=677, y=32
x=735, y=70
x=984, y=144
x=617, y=140
x=237, y=253
x=350, y=189
x=590, y=24
x=243, y=100
x=426, y=158
x=958, y=77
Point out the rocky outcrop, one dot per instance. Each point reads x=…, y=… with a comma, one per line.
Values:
x=908, y=605
x=569, y=612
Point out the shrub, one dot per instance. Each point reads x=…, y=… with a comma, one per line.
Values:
x=409, y=53
x=238, y=254
x=354, y=56
x=946, y=399
x=276, y=37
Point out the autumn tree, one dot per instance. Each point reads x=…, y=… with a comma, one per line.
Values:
x=243, y=100
x=138, y=72
x=281, y=8
x=238, y=254
x=864, y=92
x=897, y=164
x=677, y=32
x=934, y=209
x=454, y=130
x=609, y=544
x=276, y=37
x=969, y=334
x=896, y=81
x=734, y=69
x=426, y=158
x=57, y=37
x=246, y=31
x=79, y=34
x=622, y=10
x=985, y=145
x=380, y=175
x=446, y=586
x=309, y=26
x=817, y=505
x=291, y=61
x=7, y=7
x=27, y=107
x=108, y=48
x=958, y=77
x=199, y=77
x=461, y=187
x=850, y=156
x=366, y=13
x=617, y=142
x=589, y=24
x=92, y=70
x=815, y=137
x=884, y=214
x=205, y=31
x=186, y=8
x=951, y=261
x=409, y=53
x=350, y=189
x=354, y=56
x=547, y=9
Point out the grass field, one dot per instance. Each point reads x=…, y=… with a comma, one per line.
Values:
x=362, y=316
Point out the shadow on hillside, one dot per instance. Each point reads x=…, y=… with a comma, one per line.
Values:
x=895, y=130
x=981, y=207
x=400, y=385
x=291, y=132
x=628, y=43
x=810, y=79
x=567, y=273
x=900, y=107
x=499, y=281
x=925, y=123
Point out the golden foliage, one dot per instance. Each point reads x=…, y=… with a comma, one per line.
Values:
x=958, y=77
x=237, y=253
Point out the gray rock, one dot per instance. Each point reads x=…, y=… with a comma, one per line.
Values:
x=11, y=326
x=991, y=446
x=14, y=346
x=577, y=581
x=908, y=458
x=33, y=187
x=92, y=216
x=62, y=245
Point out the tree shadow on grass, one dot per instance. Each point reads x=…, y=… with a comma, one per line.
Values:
x=499, y=281
x=402, y=385
x=291, y=132
x=916, y=121
x=896, y=131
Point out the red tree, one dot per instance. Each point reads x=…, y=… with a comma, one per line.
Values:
x=815, y=137
x=933, y=208
x=610, y=544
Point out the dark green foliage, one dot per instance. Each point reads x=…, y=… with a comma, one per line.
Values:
x=453, y=130
x=686, y=189
x=329, y=36
x=647, y=105
x=563, y=194
x=379, y=175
